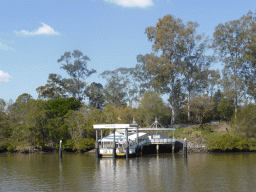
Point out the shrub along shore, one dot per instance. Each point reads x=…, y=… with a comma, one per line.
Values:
x=221, y=137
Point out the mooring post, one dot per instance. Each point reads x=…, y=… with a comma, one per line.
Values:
x=114, y=143
x=137, y=142
x=97, y=144
x=173, y=142
x=60, y=149
x=127, y=143
x=157, y=148
x=185, y=148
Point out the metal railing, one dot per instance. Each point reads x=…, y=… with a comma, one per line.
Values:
x=169, y=140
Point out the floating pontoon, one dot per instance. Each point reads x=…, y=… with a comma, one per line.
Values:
x=126, y=140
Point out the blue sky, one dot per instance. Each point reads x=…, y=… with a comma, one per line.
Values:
x=34, y=34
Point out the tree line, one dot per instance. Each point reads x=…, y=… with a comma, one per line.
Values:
x=178, y=67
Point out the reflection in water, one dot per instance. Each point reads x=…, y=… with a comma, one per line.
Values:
x=60, y=176
x=162, y=172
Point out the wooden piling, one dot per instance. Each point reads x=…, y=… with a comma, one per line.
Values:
x=185, y=148
x=60, y=149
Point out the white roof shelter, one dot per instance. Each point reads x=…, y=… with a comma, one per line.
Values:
x=113, y=126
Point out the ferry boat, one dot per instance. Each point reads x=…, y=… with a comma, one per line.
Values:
x=128, y=137
x=107, y=145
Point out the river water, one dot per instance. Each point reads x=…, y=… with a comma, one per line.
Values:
x=163, y=172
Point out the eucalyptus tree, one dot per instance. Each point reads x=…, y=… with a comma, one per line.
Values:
x=121, y=87
x=181, y=59
x=3, y=121
x=95, y=95
x=195, y=65
x=251, y=76
x=78, y=72
x=75, y=64
x=18, y=119
x=23, y=98
x=2, y=106
x=38, y=121
x=142, y=76
x=53, y=88
x=202, y=108
x=229, y=42
x=250, y=59
x=167, y=36
x=152, y=105
x=226, y=108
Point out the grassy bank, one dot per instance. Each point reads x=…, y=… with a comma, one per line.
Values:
x=217, y=137
x=81, y=145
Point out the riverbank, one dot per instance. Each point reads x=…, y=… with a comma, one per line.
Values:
x=36, y=149
x=217, y=137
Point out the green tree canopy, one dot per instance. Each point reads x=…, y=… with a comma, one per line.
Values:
x=201, y=107
x=95, y=95
x=60, y=107
x=229, y=42
x=151, y=106
x=121, y=87
x=226, y=108
x=245, y=123
x=75, y=64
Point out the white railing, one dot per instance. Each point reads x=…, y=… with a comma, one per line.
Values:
x=169, y=140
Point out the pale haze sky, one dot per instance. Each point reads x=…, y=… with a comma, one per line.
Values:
x=34, y=34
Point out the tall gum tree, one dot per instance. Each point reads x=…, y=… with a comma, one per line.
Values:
x=75, y=64
x=178, y=57
x=250, y=59
x=195, y=65
x=167, y=37
x=121, y=87
x=53, y=88
x=141, y=76
x=229, y=42
x=78, y=72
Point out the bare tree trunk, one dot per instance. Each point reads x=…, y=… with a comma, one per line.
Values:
x=43, y=142
x=189, y=107
x=236, y=109
x=173, y=106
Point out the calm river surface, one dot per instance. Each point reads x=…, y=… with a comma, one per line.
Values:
x=163, y=172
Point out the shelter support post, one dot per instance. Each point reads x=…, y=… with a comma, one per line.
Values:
x=127, y=143
x=97, y=144
x=138, y=148
x=114, y=143
x=101, y=144
x=173, y=147
x=157, y=148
